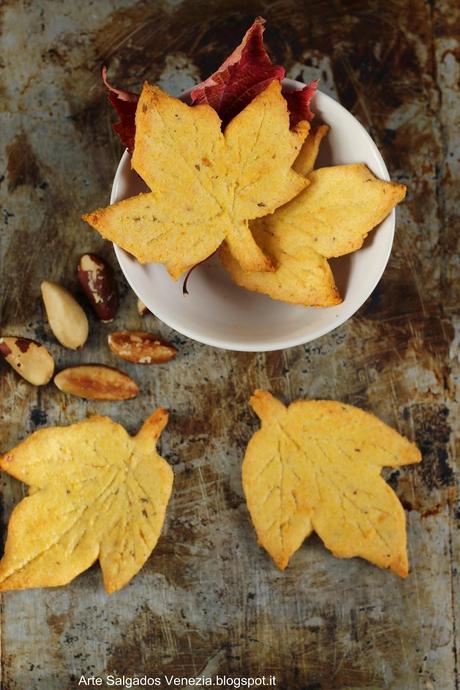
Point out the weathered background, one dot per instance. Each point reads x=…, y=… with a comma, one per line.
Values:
x=209, y=599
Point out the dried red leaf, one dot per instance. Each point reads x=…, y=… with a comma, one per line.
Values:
x=243, y=75
x=299, y=102
x=125, y=103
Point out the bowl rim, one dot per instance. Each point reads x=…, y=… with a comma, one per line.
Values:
x=284, y=343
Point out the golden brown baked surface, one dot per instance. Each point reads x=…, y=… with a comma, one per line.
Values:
x=315, y=466
x=206, y=184
x=95, y=493
x=331, y=217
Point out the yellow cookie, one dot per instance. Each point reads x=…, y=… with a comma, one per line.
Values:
x=95, y=493
x=315, y=466
x=305, y=161
x=206, y=184
x=331, y=217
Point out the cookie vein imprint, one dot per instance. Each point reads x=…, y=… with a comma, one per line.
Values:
x=205, y=184
x=315, y=466
x=95, y=493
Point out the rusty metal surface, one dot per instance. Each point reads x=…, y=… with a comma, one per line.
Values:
x=209, y=600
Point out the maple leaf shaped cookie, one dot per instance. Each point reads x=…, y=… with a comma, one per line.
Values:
x=330, y=218
x=95, y=493
x=206, y=184
x=305, y=161
x=315, y=466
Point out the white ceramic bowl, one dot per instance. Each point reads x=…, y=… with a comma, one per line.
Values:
x=217, y=312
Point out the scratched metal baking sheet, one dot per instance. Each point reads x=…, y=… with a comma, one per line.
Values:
x=209, y=599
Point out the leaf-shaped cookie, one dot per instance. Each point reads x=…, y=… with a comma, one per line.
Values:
x=206, y=184
x=315, y=466
x=330, y=218
x=305, y=161
x=95, y=493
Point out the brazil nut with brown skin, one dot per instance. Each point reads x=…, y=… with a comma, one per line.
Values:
x=142, y=309
x=30, y=359
x=96, y=382
x=141, y=347
x=98, y=283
